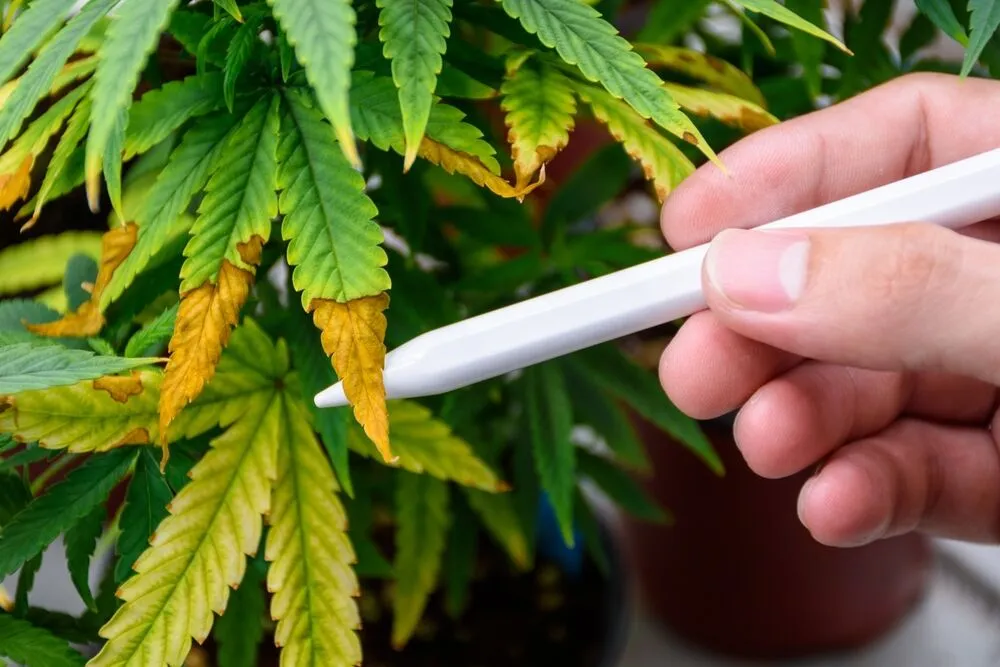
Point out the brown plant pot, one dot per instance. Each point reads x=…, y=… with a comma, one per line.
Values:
x=737, y=573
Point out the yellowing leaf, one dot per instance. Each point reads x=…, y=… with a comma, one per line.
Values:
x=727, y=108
x=204, y=322
x=540, y=108
x=20, y=268
x=353, y=336
x=663, y=163
x=713, y=71
x=454, y=161
x=120, y=387
x=199, y=551
x=425, y=445
x=88, y=320
x=15, y=186
x=310, y=575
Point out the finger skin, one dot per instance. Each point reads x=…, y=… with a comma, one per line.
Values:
x=805, y=414
x=915, y=475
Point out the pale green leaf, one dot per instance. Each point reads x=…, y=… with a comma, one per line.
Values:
x=163, y=110
x=426, y=445
x=498, y=515
x=185, y=174
x=113, y=162
x=941, y=13
x=32, y=646
x=322, y=34
x=582, y=38
x=240, y=199
x=25, y=366
x=30, y=30
x=133, y=34
x=59, y=165
x=310, y=575
x=984, y=19
x=423, y=520
x=60, y=507
x=145, y=506
x=415, y=34
x=333, y=241
x=21, y=271
x=550, y=423
x=43, y=69
x=80, y=542
x=155, y=333
x=199, y=551
x=778, y=12
x=230, y=7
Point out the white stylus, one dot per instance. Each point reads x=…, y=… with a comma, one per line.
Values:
x=656, y=292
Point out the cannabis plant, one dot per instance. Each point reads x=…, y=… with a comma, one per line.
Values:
x=270, y=173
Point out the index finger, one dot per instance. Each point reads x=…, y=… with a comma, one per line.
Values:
x=912, y=124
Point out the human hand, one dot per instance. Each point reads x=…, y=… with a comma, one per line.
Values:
x=876, y=351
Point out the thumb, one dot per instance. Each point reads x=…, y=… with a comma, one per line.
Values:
x=899, y=297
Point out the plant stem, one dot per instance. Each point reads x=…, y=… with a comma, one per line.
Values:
x=52, y=470
x=109, y=537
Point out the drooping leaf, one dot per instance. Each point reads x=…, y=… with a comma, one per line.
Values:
x=238, y=54
x=639, y=388
x=423, y=520
x=310, y=573
x=984, y=19
x=62, y=156
x=353, y=336
x=550, y=423
x=87, y=320
x=45, y=66
x=60, y=507
x=31, y=28
x=31, y=646
x=185, y=174
x=80, y=542
x=21, y=270
x=240, y=630
x=663, y=163
x=333, y=242
x=540, y=109
x=131, y=37
x=778, y=12
x=498, y=515
x=940, y=12
x=145, y=506
x=155, y=333
x=703, y=67
x=26, y=366
x=322, y=34
x=199, y=551
x=425, y=445
x=415, y=34
x=234, y=222
x=620, y=488
x=727, y=108
x=456, y=162
x=582, y=38
x=163, y=110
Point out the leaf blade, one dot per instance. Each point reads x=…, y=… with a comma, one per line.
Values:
x=34, y=647
x=26, y=366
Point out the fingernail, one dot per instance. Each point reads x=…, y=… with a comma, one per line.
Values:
x=759, y=270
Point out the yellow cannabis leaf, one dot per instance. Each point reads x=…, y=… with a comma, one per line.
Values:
x=454, y=161
x=15, y=185
x=727, y=108
x=198, y=553
x=310, y=575
x=116, y=244
x=353, y=335
x=716, y=72
x=205, y=319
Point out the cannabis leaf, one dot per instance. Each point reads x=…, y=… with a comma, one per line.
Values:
x=550, y=422
x=32, y=646
x=131, y=37
x=984, y=20
x=423, y=519
x=425, y=445
x=33, y=27
x=234, y=222
x=333, y=241
x=779, y=12
x=941, y=13
x=540, y=109
x=162, y=110
x=322, y=34
x=353, y=336
x=239, y=631
x=145, y=506
x=155, y=332
x=499, y=516
x=56, y=170
x=310, y=573
x=703, y=67
x=608, y=418
x=22, y=271
x=238, y=54
x=29, y=366
x=620, y=488
x=80, y=542
x=663, y=163
x=62, y=505
x=415, y=34
x=727, y=108
x=582, y=38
